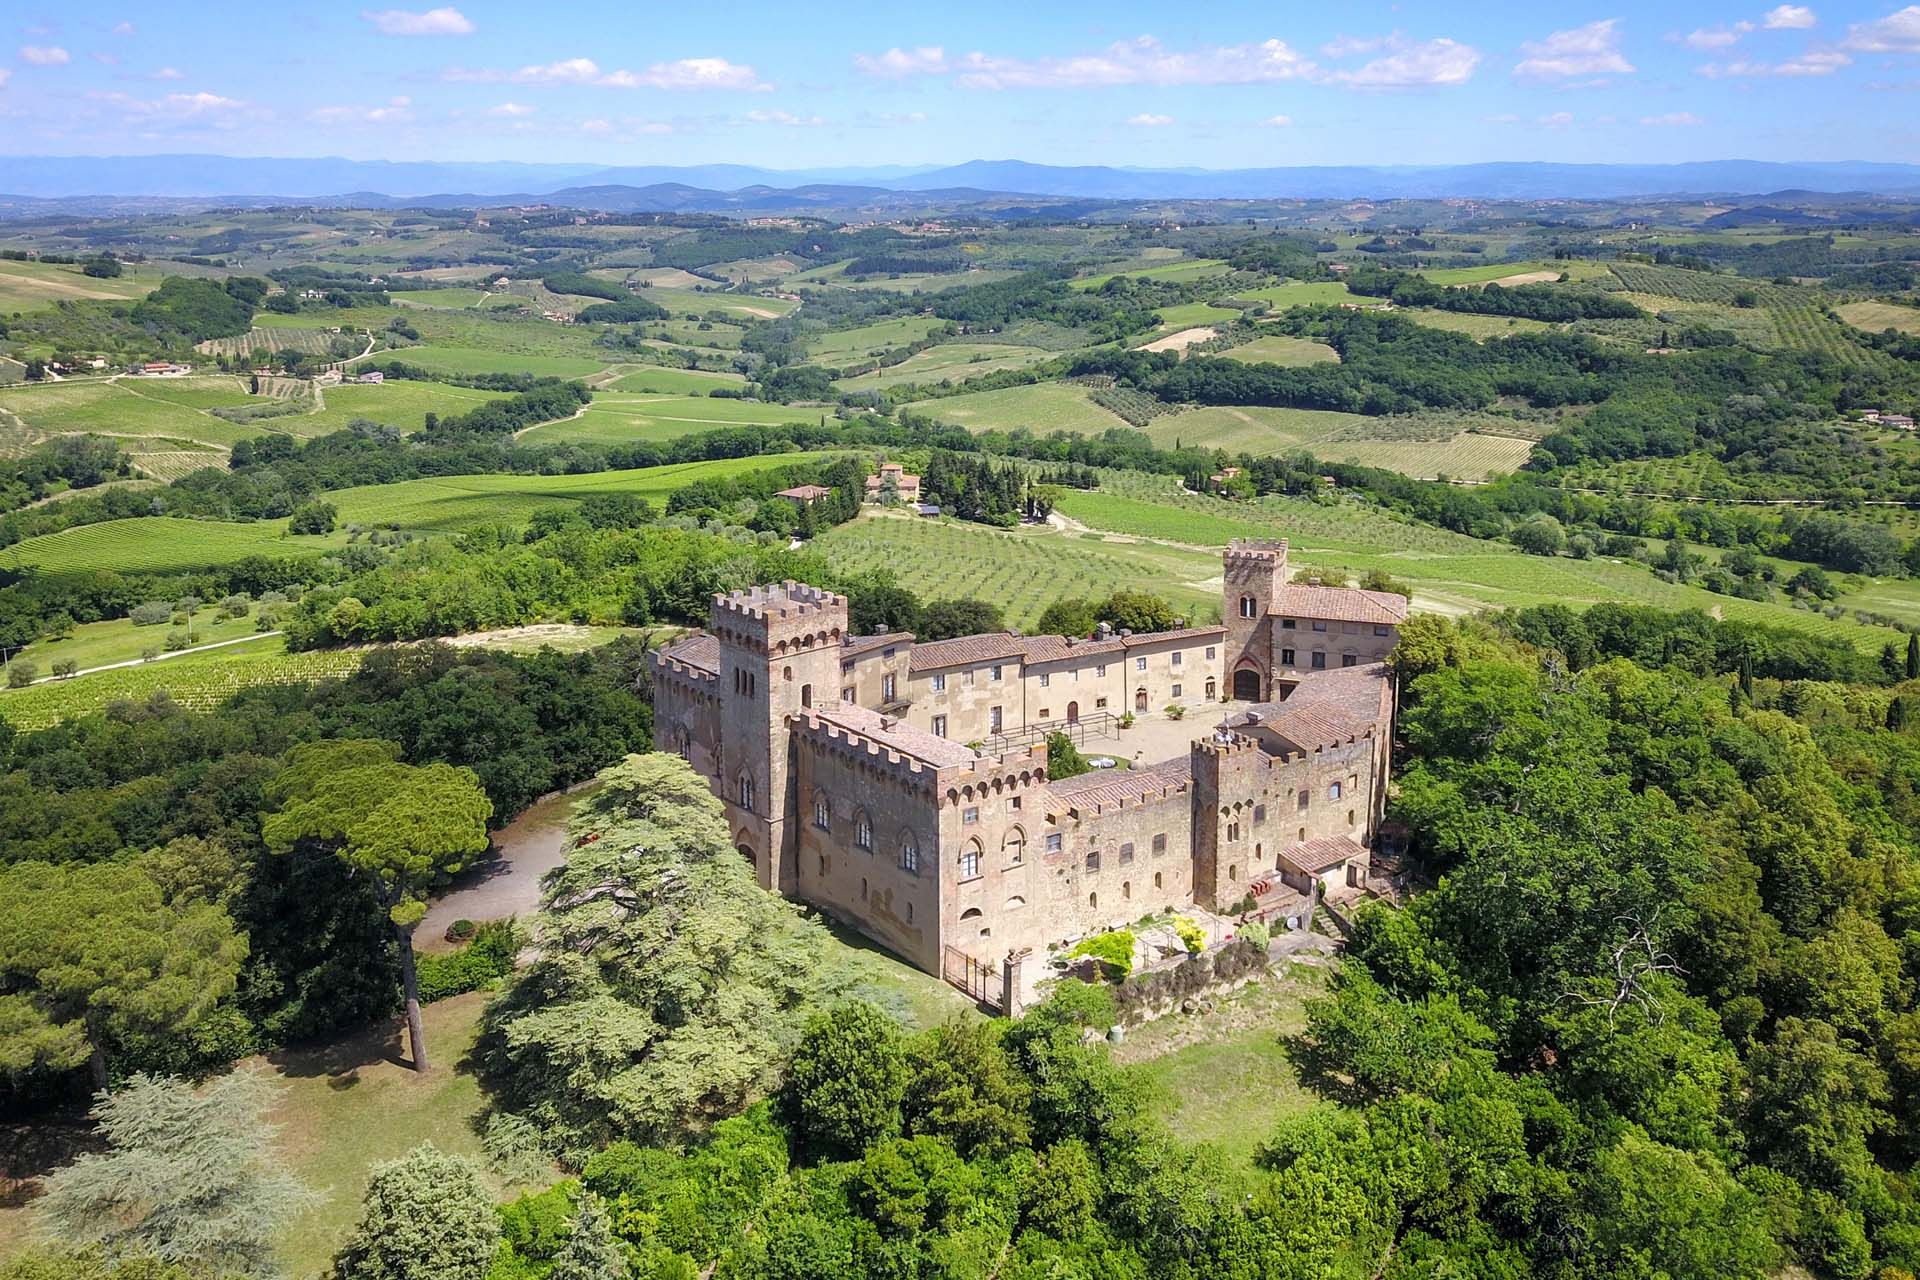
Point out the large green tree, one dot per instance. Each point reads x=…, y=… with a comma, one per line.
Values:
x=92, y=955
x=427, y=1216
x=670, y=986
x=187, y=1176
x=846, y=1080
x=407, y=829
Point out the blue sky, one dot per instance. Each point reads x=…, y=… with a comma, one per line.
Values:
x=1213, y=85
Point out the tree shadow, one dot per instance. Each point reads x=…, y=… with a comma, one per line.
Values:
x=29, y=1151
x=1317, y=1071
x=343, y=1059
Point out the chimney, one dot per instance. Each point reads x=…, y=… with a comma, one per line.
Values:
x=1102, y=631
x=1125, y=632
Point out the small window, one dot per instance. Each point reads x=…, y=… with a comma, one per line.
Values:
x=1093, y=899
x=1233, y=831
x=746, y=792
x=1333, y=791
x=1176, y=657
x=846, y=668
x=1289, y=624
x=1053, y=842
x=887, y=652
x=996, y=671
x=1211, y=655
x=863, y=888
x=1126, y=890
x=1099, y=702
x=1126, y=854
x=1093, y=861
x=1156, y=879
x=1016, y=902
x=1045, y=679
x=1013, y=802
x=863, y=833
x=1045, y=712
x=970, y=864
x=887, y=686
x=1233, y=871
x=1140, y=664
x=1303, y=800
x=939, y=726
x=1379, y=630
x=909, y=856
x=1259, y=814
x=1099, y=670
x=1160, y=844
x=846, y=695
x=994, y=720
x=823, y=866
x=1349, y=660
x=940, y=682
x=909, y=913
x=822, y=812
x=1350, y=821
x=1286, y=657
x=1319, y=625
x=1319, y=660
x=1246, y=606
x=1015, y=847
x=1176, y=691
x=971, y=814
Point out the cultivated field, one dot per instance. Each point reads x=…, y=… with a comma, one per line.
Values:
x=948, y=362
x=266, y=339
x=473, y=360
x=1318, y=293
x=1282, y=350
x=124, y=408
x=1474, y=326
x=156, y=544
x=1042, y=407
x=396, y=402
x=1875, y=317
x=849, y=346
x=197, y=680
x=687, y=302
x=1183, y=269
x=35, y=286
x=1181, y=340
x=627, y=419
x=679, y=382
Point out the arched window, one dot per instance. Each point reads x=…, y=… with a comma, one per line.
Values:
x=1093, y=899
x=1126, y=889
x=1246, y=606
x=970, y=861
x=1156, y=879
x=1014, y=847
x=745, y=792
x=862, y=831
x=909, y=855
x=1233, y=872
x=822, y=811
x=971, y=913
x=1016, y=902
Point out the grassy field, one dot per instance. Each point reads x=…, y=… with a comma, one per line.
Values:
x=1875, y=317
x=1254, y=428
x=849, y=346
x=155, y=544
x=1227, y=1076
x=1465, y=456
x=1182, y=269
x=1474, y=326
x=129, y=407
x=1298, y=293
x=35, y=286
x=677, y=382
x=1042, y=407
x=625, y=419
x=1483, y=272
x=197, y=680
x=95, y=644
x=444, y=299
x=473, y=360
x=1281, y=350
x=1190, y=315
x=950, y=361
x=684, y=302
x=397, y=403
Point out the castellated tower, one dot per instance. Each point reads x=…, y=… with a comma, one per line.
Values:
x=1254, y=568
x=779, y=654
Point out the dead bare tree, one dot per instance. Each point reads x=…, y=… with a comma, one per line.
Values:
x=1635, y=961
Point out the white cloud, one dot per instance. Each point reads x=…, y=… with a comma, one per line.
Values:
x=1431, y=62
x=897, y=64
x=123, y=29
x=1814, y=62
x=510, y=110
x=44, y=55
x=1672, y=119
x=446, y=21
x=596, y=127
x=1277, y=122
x=1592, y=50
x=1896, y=33
x=168, y=73
x=6, y=74
x=687, y=73
x=1140, y=61
x=396, y=111
x=196, y=110
x=885, y=119
x=1147, y=120
x=1788, y=17
x=1716, y=37
x=786, y=118
x=1558, y=120
x=1344, y=46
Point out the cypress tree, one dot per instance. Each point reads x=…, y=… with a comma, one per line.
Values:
x=1913, y=657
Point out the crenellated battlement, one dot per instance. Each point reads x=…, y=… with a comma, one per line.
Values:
x=867, y=752
x=1257, y=550
x=1013, y=771
x=778, y=602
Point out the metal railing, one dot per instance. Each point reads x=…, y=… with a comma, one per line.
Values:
x=1097, y=724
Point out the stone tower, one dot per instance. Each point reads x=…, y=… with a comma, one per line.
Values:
x=779, y=653
x=1253, y=568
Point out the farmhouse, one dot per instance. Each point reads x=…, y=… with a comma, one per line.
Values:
x=903, y=786
x=373, y=377
x=805, y=494
x=895, y=478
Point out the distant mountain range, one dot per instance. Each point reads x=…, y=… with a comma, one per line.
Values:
x=70, y=180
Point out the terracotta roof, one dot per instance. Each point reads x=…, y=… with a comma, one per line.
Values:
x=1325, y=708
x=699, y=651
x=1310, y=727
x=893, y=732
x=1338, y=604
x=1316, y=856
x=1116, y=786
x=967, y=651
x=1185, y=633
x=805, y=492
x=1059, y=648
x=854, y=646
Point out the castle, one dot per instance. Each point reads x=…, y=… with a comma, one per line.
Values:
x=903, y=787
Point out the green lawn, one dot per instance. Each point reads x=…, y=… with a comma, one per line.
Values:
x=1282, y=350
x=624, y=419
x=95, y=644
x=396, y=402
x=950, y=361
x=471, y=360
x=678, y=382
x=1041, y=407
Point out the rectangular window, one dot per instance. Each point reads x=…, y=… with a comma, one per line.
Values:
x=1100, y=669
x=1045, y=679
x=1319, y=626
x=1099, y=702
x=1349, y=660
x=1160, y=843
x=1210, y=653
x=996, y=671
x=971, y=814
x=1053, y=842
x=1176, y=657
x=1319, y=660
x=846, y=668
x=994, y=722
x=1013, y=802
x=1176, y=691
x=1333, y=791
x=1139, y=664
x=1288, y=624
x=1046, y=712
x=939, y=726
x=1301, y=802
x=887, y=652
x=1379, y=630
x=887, y=686
x=1126, y=854
x=1286, y=657
x=1259, y=814
x=1093, y=861
x=940, y=682
x=846, y=695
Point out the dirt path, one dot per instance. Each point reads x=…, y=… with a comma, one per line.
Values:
x=530, y=846
x=176, y=653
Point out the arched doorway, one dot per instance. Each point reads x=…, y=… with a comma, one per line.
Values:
x=1139, y=699
x=1246, y=685
x=1213, y=689
x=1073, y=713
